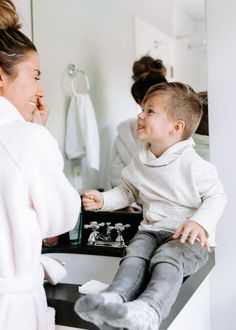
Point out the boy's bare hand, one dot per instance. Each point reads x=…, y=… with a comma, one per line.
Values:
x=191, y=231
x=92, y=200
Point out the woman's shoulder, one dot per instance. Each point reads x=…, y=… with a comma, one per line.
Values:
x=35, y=134
x=127, y=124
x=34, y=143
x=127, y=130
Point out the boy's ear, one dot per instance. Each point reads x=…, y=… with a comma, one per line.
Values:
x=179, y=126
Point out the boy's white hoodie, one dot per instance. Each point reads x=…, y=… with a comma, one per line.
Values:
x=175, y=187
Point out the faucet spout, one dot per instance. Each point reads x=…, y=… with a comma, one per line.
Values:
x=93, y=238
x=98, y=239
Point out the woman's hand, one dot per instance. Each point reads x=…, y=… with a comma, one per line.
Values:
x=92, y=200
x=191, y=231
x=40, y=114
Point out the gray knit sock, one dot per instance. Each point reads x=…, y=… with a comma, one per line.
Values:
x=108, y=327
x=88, y=306
x=134, y=315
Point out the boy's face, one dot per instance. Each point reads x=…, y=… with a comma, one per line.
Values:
x=153, y=125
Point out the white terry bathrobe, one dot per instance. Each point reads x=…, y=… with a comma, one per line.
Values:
x=36, y=201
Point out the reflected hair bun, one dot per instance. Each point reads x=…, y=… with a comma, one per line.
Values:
x=145, y=66
x=8, y=16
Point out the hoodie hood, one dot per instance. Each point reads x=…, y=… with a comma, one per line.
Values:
x=148, y=158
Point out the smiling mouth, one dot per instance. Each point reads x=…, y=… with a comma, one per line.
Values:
x=33, y=103
x=140, y=127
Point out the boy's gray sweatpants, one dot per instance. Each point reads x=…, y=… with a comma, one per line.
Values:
x=153, y=269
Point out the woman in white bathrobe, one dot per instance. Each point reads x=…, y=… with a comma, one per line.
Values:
x=36, y=200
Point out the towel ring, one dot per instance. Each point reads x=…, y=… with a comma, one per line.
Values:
x=72, y=72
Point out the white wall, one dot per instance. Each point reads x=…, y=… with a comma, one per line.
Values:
x=98, y=37
x=24, y=10
x=221, y=27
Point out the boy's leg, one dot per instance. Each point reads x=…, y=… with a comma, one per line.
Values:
x=128, y=281
x=171, y=262
x=131, y=277
x=169, y=265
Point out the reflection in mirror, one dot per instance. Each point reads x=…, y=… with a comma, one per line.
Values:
x=103, y=38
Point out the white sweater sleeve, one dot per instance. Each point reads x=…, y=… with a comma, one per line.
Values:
x=123, y=195
x=213, y=200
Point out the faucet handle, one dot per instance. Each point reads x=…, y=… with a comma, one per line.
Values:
x=109, y=229
x=94, y=225
x=120, y=227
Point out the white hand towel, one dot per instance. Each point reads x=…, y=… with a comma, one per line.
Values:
x=54, y=270
x=82, y=137
x=92, y=286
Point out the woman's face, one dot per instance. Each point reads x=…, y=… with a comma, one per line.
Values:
x=22, y=91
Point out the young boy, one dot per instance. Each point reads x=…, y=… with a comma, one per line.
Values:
x=183, y=200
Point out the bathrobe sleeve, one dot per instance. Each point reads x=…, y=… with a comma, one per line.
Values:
x=124, y=148
x=117, y=163
x=55, y=202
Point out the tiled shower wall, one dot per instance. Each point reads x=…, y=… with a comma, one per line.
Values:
x=190, y=64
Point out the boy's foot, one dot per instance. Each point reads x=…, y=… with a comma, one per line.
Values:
x=108, y=327
x=88, y=306
x=134, y=315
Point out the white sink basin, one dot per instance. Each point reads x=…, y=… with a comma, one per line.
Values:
x=84, y=267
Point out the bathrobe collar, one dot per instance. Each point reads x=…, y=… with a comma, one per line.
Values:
x=8, y=112
x=148, y=158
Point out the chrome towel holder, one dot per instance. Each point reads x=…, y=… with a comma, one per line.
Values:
x=72, y=71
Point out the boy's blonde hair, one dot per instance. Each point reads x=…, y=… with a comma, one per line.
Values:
x=183, y=103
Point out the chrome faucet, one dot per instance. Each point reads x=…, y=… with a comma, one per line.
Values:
x=119, y=227
x=98, y=239
x=93, y=237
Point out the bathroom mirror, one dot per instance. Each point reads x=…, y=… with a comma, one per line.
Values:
x=103, y=38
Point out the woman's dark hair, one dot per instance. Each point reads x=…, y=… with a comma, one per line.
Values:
x=14, y=45
x=203, y=127
x=146, y=73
